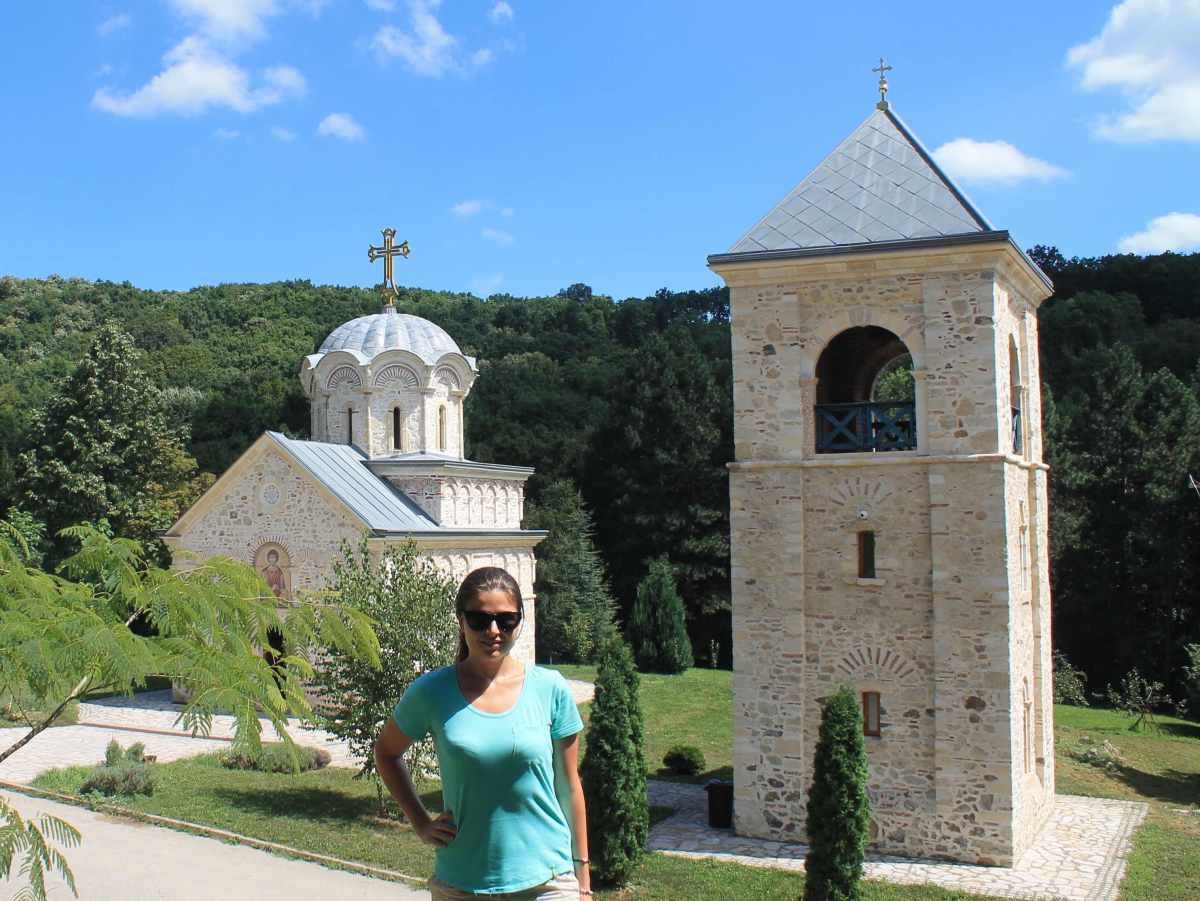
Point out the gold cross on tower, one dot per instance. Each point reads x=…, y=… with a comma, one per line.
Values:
x=883, y=85
x=387, y=251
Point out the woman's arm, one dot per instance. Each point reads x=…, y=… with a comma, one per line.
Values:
x=389, y=763
x=569, y=790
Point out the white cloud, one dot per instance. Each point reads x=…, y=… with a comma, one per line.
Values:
x=426, y=48
x=1174, y=231
x=992, y=162
x=279, y=133
x=1150, y=51
x=487, y=285
x=226, y=134
x=498, y=236
x=500, y=12
x=228, y=20
x=196, y=78
x=341, y=125
x=113, y=23
x=467, y=208
x=383, y=6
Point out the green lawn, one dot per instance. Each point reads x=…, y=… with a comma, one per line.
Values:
x=329, y=812
x=1161, y=767
x=693, y=708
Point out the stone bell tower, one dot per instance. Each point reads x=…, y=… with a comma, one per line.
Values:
x=888, y=504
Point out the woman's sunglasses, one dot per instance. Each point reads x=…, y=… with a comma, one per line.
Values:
x=479, y=620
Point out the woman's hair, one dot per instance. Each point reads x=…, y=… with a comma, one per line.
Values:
x=479, y=581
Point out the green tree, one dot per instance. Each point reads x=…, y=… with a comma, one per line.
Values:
x=64, y=636
x=575, y=610
x=656, y=626
x=103, y=448
x=839, y=811
x=657, y=478
x=411, y=604
x=613, y=770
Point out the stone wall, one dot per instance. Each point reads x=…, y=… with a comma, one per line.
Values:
x=953, y=631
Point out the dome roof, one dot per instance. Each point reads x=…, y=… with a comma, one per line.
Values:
x=369, y=336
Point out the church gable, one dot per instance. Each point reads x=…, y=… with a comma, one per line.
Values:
x=267, y=503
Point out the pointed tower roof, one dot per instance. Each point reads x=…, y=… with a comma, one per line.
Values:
x=880, y=189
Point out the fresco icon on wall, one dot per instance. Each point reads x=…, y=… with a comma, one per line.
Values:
x=275, y=565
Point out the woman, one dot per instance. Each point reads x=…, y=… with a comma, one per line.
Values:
x=514, y=824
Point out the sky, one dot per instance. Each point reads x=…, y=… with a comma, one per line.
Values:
x=523, y=146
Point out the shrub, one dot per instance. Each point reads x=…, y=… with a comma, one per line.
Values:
x=613, y=770
x=124, y=772
x=656, y=623
x=684, y=760
x=276, y=757
x=1191, y=678
x=1070, y=684
x=839, y=811
x=1139, y=698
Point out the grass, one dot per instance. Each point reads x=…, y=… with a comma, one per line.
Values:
x=693, y=708
x=330, y=812
x=1161, y=766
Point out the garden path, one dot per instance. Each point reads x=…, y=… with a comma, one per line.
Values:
x=119, y=859
x=1079, y=855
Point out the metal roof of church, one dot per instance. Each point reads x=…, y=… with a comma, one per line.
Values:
x=368, y=336
x=878, y=187
x=342, y=469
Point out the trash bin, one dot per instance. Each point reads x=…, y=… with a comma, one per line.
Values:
x=720, y=803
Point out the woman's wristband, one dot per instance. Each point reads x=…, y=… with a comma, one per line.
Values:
x=580, y=860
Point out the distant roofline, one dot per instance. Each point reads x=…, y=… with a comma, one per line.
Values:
x=430, y=462
x=986, y=237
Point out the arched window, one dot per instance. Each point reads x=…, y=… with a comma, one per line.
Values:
x=442, y=428
x=865, y=393
x=350, y=425
x=397, y=430
x=1027, y=724
x=1014, y=396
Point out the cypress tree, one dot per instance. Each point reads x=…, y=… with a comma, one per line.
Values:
x=613, y=770
x=656, y=624
x=839, y=811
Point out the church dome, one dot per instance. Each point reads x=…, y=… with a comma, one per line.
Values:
x=369, y=336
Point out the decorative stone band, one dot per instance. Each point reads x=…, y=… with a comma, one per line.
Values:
x=896, y=458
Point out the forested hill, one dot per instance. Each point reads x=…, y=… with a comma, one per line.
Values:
x=631, y=401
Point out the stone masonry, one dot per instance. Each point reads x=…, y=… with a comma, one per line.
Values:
x=953, y=630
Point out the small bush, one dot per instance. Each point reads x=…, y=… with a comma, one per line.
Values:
x=275, y=758
x=684, y=760
x=124, y=772
x=1191, y=678
x=1138, y=697
x=1070, y=684
x=657, y=628
x=1105, y=755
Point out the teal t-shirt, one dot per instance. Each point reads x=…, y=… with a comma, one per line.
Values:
x=497, y=779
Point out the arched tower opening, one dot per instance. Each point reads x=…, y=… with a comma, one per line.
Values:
x=1014, y=397
x=865, y=393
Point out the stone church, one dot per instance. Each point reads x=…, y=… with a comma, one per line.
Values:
x=888, y=504
x=386, y=461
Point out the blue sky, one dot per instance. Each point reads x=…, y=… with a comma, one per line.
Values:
x=521, y=146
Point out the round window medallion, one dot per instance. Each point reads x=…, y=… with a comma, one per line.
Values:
x=271, y=495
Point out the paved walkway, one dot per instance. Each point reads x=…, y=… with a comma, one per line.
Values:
x=1079, y=855
x=119, y=860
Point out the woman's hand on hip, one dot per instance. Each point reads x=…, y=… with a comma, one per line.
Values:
x=438, y=831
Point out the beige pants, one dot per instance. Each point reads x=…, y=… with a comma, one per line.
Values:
x=560, y=888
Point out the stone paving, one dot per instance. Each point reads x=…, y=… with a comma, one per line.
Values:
x=1079, y=854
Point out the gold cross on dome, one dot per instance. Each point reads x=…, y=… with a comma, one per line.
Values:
x=388, y=251
x=883, y=85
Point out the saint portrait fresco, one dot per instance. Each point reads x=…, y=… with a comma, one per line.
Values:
x=273, y=562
